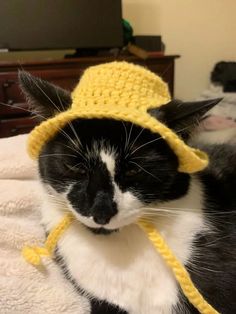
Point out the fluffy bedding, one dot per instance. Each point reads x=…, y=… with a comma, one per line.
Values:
x=24, y=288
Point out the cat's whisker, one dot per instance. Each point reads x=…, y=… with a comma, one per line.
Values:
x=45, y=94
x=216, y=220
x=155, y=140
x=212, y=216
x=199, y=269
x=162, y=213
x=150, y=213
x=71, y=148
x=55, y=197
x=59, y=204
x=53, y=155
x=126, y=134
x=35, y=113
x=143, y=145
x=58, y=109
x=61, y=200
x=69, y=138
x=62, y=207
x=83, y=156
x=137, y=137
x=156, y=215
x=172, y=209
x=63, y=107
x=48, y=181
x=70, y=124
x=75, y=133
x=212, y=243
x=151, y=220
x=76, y=167
x=154, y=210
x=133, y=162
x=129, y=137
x=183, y=129
x=141, y=157
x=190, y=209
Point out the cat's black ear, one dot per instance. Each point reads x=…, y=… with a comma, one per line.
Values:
x=182, y=117
x=44, y=98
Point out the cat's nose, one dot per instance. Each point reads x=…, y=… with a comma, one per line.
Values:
x=103, y=209
x=100, y=220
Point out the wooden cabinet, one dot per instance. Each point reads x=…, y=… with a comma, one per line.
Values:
x=14, y=117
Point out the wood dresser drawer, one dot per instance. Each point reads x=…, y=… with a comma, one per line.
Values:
x=9, y=91
x=11, y=127
x=13, y=98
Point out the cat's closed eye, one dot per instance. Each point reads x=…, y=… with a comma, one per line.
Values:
x=132, y=172
x=75, y=169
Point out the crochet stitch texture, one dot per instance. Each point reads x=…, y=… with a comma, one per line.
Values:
x=120, y=91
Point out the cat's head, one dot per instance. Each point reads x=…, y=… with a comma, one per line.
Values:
x=109, y=172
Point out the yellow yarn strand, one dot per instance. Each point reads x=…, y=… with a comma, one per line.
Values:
x=33, y=254
x=180, y=273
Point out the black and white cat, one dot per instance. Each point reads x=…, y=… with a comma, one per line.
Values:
x=109, y=173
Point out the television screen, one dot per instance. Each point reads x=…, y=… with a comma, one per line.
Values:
x=60, y=24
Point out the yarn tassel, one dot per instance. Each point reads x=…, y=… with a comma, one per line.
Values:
x=33, y=254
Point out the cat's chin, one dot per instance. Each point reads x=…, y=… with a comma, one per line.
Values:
x=102, y=231
x=90, y=225
x=115, y=225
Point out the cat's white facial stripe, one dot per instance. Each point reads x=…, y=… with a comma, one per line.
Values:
x=129, y=207
x=128, y=204
x=109, y=160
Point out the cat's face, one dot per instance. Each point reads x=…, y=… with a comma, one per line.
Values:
x=107, y=172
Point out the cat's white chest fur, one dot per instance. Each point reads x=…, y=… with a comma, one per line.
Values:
x=124, y=268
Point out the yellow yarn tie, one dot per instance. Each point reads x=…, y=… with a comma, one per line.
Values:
x=33, y=256
x=180, y=273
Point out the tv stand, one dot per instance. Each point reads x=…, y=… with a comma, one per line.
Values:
x=14, y=118
x=80, y=53
x=86, y=53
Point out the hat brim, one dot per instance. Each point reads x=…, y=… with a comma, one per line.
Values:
x=190, y=160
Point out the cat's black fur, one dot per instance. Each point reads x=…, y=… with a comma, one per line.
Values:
x=214, y=255
x=217, y=252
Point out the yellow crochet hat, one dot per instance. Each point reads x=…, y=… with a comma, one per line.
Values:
x=120, y=91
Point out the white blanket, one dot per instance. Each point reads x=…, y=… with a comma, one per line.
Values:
x=24, y=288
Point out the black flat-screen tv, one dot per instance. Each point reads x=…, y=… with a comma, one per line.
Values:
x=60, y=24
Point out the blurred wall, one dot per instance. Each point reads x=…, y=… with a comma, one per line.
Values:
x=202, y=32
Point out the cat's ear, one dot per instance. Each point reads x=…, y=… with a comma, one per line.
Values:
x=44, y=98
x=183, y=117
